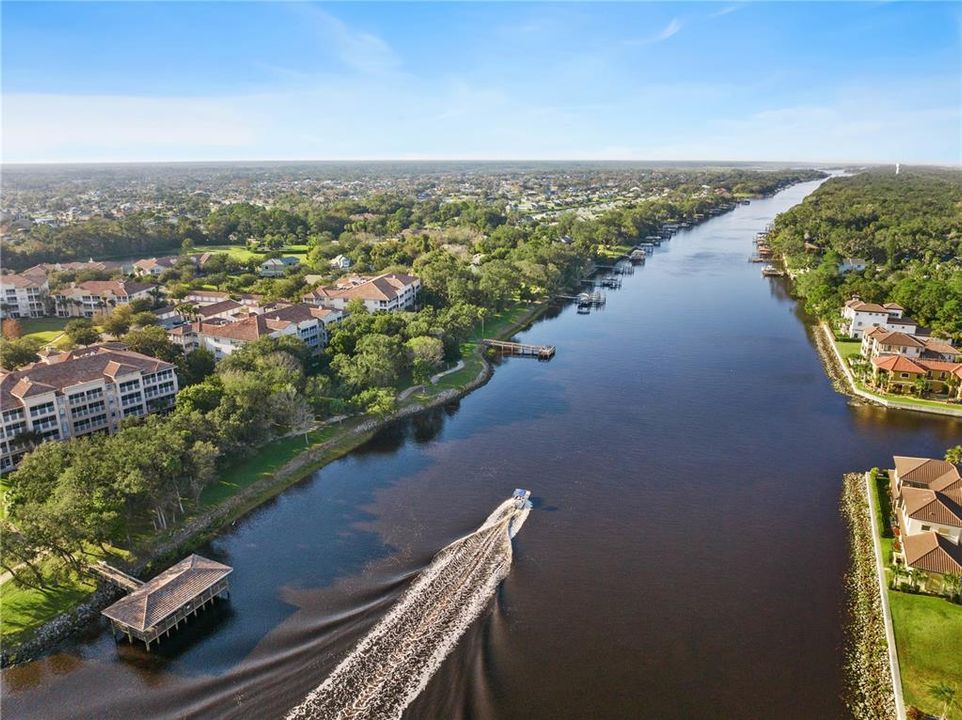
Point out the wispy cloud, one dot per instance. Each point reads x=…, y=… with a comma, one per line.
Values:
x=725, y=11
x=362, y=51
x=670, y=30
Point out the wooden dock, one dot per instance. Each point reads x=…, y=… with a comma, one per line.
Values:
x=115, y=576
x=542, y=352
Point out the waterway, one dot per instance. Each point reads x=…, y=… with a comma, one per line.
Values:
x=684, y=557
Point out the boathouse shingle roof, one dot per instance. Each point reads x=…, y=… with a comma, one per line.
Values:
x=168, y=592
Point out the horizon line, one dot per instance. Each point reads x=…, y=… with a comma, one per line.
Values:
x=869, y=163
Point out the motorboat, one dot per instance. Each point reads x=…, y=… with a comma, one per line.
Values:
x=521, y=498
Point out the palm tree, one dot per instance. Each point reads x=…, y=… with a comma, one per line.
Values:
x=918, y=578
x=944, y=693
x=950, y=584
x=898, y=572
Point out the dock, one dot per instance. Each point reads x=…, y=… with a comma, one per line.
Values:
x=542, y=352
x=115, y=576
x=154, y=608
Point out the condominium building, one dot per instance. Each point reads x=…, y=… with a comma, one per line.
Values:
x=79, y=392
x=93, y=297
x=23, y=296
x=388, y=292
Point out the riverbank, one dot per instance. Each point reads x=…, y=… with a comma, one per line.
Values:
x=923, y=632
x=871, y=669
x=845, y=382
x=55, y=615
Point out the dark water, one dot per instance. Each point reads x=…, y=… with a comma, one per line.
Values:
x=684, y=558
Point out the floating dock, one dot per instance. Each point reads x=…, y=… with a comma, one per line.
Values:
x=542, y=352
x=153, y=608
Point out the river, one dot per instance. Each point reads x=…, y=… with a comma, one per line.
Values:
x=684, y=557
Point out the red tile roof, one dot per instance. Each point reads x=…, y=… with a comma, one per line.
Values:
x=932, y=552
x=897, y=363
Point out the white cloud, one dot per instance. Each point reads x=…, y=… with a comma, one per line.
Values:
x=362, y=51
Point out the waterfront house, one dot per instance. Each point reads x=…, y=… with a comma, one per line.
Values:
x=92, y=297
x=900, y=375
x=277, y=267
x=938, y=349
x=927, y=501
x=880, y=341
x=859, y=317
x=74, y=393
x=23, y=296
x=387, y=292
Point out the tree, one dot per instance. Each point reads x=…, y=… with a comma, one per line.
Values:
x=952, y=584
x=378, y=362
x=954, y=455
x=376, y=401
x=943, y=693
x=11, y=328
x=427, y=354
x=19, y=352
x=119, y=321
x=195, y=366
x=356, y=306
x=81, y=331
x=152, y=341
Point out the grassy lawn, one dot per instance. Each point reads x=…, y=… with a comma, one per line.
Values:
x=262, y=464
x=614, y=252
x=848, y=348
x=928, y=634
x=928, y=630
x=499, y=322
x=46, y=330
x=25, y=609
x=238, y=252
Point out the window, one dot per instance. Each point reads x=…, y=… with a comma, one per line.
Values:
x=44, y=409
x=904, y=375
x=926, y=527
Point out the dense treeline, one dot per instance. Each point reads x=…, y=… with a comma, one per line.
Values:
x=295, y=220
x=908, y=227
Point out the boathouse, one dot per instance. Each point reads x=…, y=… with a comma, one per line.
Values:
x=158, y=606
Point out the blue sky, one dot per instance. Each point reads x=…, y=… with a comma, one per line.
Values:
x=867, y=81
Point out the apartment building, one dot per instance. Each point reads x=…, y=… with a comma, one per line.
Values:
x=387, y=292
x=93, y=297
x=79, y=392
x=223, y=335
x=23, y=296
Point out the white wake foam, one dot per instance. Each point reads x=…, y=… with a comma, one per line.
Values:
x=394, y=662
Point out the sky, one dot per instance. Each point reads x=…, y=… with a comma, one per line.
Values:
x=776, y=81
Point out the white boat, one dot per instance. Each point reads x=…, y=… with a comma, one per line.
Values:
x=521, y=498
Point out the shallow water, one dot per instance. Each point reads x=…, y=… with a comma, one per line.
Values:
x=683, y=559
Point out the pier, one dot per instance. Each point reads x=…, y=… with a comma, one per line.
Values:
x=154, y=608
x=542, y=352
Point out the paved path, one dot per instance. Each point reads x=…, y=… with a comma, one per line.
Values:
x=886, y=611
x=436, y=378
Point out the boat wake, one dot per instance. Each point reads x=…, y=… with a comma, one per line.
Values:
x=395, y=661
